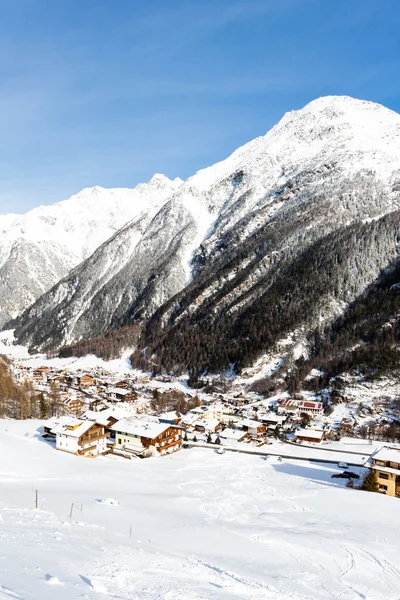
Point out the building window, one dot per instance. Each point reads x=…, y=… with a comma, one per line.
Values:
x=119, y=441
x=383, y=487
x=383, y=476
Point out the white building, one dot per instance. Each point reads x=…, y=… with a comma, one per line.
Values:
x=85, y=438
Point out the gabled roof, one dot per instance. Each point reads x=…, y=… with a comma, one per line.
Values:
x=120, y=391
x=74, y=428
x=147, y=429
x=387, y=454
x=249, y=423
x=309, y=433
x=208, y=424
x=232, y=434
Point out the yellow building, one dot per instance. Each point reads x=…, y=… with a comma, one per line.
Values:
x=386, y=463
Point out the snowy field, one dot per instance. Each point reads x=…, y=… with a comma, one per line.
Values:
x=204, y=526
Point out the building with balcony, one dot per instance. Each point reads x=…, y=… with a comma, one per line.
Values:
x=141, y=437
x=84, y=438
x=386, y=464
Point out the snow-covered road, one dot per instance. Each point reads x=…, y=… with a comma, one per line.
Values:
x=204, y=526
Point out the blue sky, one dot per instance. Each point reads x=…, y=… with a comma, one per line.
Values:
x=107, y=92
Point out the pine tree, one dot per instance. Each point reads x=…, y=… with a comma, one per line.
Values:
x=370, y=483
x=217, y=441
x=43, y=408
x=209, y=439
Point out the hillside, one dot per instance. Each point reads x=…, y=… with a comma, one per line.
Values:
x=365, y=338
x=200, y=529
x=208, y=331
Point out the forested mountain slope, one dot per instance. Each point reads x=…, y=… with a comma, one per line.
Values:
x=203, y=330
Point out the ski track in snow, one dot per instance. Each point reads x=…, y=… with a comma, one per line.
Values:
x=204, y=527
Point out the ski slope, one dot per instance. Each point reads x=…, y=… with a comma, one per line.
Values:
x=196, y=525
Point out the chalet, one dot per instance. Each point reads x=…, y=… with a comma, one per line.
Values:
x=252, y=427
x=107, y=418
x=74, y=405
x=84, y=438
x=124, y=384
x=86, y=380
x=207, y=425
x=233, y=435
x=39, y=376
x=309, y=435
x=189, y=419
x=138, y=436
x=122, y=395
x=58, y=383
x=386, y=463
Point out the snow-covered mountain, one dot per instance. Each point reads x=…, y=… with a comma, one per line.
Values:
x=40, y=247
x=225, y=234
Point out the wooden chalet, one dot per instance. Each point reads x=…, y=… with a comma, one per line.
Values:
x=310, y=435
x=39, y=376
x=252, y=427
x=142, y=437
x=86, y=380
x=122, y=395
x=74, y=405
x=124, y=384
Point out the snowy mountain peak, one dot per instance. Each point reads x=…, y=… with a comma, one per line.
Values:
x=333, y=162
x=39, y=248
x=342, y=104
x=159, y=178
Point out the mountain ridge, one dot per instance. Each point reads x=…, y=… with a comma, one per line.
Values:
x=63, y=234
x=333, y=163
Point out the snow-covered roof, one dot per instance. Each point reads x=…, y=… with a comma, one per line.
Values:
x=141, y=428
x=170, y=415
x=249, y=423
x=309, y=433
x=387, y=454
x=74, y=428
x=208, y=424
x=119, y=391
x=102, y=417
x=270, y=416
x=231, y=434
x=189, y=418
